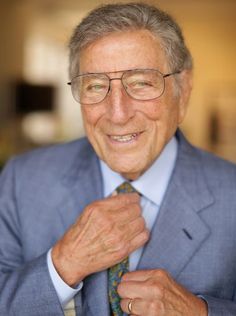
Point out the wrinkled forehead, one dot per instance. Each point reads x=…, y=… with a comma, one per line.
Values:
x=123, y=50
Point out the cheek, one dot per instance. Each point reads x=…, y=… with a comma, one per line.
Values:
x=169, y=111
x=152, y=110
x=163, y=119
x=91, y=117
x=156, y=113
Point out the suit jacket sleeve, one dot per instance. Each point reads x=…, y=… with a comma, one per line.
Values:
x=220, y=307
x=25, y=287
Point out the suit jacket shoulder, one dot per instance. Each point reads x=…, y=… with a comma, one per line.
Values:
x=51, y=184
x=193, y=164
x=55, y=160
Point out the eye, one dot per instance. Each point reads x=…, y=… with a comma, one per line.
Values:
x=138, y=84
x=144, y=83
x=96, y=87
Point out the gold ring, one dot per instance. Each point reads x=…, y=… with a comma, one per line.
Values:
x=130, y=306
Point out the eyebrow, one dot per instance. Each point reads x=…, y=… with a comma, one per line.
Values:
x=115, y=71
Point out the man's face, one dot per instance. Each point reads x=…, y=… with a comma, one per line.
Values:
x=130, y=134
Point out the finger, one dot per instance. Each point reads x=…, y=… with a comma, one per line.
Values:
x=125, y=238
x=121, y=251
x=125, y=305
x=150, y=289
x=112, y=203
x=153, y=288
x=139, y=240
x=133, y=228
x=141, y=307
x=124, y=198
x=118, y=201
x=133, y=306
x=127, y=214
x=141, y=275
x=132, y=289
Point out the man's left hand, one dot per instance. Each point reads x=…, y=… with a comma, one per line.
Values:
x=155, y=293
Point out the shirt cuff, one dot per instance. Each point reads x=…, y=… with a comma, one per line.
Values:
x=64, y=291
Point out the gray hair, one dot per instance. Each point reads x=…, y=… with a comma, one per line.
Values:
x=111, y=18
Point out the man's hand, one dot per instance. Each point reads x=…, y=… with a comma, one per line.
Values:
x=154, y=292
x=106, y=232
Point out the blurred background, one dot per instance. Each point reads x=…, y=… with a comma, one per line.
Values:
x=36, y=106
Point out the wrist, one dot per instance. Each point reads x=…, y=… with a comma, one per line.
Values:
x=64, y=292
x=64, y=267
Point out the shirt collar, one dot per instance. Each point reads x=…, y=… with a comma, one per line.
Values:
x=153, y=183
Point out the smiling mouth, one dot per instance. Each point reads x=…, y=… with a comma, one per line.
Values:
x=124, y=138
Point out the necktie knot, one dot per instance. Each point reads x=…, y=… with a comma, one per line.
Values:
x=125, y=187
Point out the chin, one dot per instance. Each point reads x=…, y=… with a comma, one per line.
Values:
x=128, y=168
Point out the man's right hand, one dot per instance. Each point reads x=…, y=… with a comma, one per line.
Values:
x=105, y=233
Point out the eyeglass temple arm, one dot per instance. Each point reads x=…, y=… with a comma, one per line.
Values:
x=172, y=73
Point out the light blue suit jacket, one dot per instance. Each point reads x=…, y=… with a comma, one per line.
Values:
x=194, y=237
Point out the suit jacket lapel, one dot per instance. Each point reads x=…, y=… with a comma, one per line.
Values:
x=179, y=230
x=82, y=185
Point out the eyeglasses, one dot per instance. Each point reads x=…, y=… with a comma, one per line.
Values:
x=139, y=84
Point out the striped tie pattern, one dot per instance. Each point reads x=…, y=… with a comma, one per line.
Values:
x=69, y=309
x=116, y=272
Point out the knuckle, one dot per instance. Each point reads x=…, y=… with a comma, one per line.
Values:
x=142, y=223
x=119, y=243
x=155, y=288
x=114, y=243
x=122, y=248
x=103, y=225
x=156, y=307
x=110, y=241
x=122, y=302
x=93, y=208
x=152, y=306
x=146, y=235
x=96, y=204
x=137, y=209
x=120, y=254
x=161, y=274
x=133, y=210
x=120, y=289
x=139, y=225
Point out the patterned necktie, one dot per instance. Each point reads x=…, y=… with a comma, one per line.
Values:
x=116, y=272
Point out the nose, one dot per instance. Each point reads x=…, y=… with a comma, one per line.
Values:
x=120, y=108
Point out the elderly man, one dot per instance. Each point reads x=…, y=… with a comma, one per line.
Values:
x=131, y=219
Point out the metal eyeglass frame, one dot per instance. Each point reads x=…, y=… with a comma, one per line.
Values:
x=120, y=78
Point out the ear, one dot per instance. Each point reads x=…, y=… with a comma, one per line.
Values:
x=186, y=84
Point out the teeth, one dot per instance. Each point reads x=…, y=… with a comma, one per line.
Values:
x=123, y=138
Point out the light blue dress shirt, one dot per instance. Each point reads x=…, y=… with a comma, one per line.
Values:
x=152, y=185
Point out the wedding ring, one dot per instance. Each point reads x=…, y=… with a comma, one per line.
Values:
x=130, y=306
